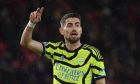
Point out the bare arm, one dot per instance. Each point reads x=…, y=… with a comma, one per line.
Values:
x=100, y=81
x=26, y=39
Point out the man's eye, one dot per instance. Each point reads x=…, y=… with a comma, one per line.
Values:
x=69, y=25
x=77, y=25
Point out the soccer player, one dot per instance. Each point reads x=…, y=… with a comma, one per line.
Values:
x=73, y=62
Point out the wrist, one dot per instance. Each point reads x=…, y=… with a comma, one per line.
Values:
x=31, y=24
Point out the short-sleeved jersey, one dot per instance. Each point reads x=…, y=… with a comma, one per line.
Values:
x=74, y=67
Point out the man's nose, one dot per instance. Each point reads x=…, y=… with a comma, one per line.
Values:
x=74, y=27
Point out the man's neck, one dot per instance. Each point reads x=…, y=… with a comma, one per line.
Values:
x=72, y=46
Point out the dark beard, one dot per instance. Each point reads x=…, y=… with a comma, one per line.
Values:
x=73, y=40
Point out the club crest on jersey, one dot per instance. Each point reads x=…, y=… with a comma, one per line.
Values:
x=62, y=58
x=81, y=61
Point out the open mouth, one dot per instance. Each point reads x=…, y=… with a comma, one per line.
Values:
x=74, y=34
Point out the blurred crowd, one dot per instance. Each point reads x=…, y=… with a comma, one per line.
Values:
x=110, y=25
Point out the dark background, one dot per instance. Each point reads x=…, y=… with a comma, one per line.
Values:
x=110, y=25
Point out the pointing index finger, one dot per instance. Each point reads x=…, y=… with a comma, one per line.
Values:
x=41, y=10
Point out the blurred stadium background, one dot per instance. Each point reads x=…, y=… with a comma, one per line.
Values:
x=113, y=26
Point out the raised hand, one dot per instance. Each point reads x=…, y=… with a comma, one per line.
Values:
x=35, y=16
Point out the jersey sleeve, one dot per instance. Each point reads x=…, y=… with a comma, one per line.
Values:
x=97, y=65
x=48, y=50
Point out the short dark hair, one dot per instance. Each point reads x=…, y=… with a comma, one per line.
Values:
x=69, y=15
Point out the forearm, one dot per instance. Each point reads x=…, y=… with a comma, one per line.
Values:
x=26, y=37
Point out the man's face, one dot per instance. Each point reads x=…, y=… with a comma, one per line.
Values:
x=71, y=30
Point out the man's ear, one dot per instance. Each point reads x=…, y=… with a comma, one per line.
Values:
x=61, y=31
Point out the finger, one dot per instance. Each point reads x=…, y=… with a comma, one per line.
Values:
x=39, y=18
x=41, y=10
x=31, y=15
x=38, y=10
x=34, y=14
